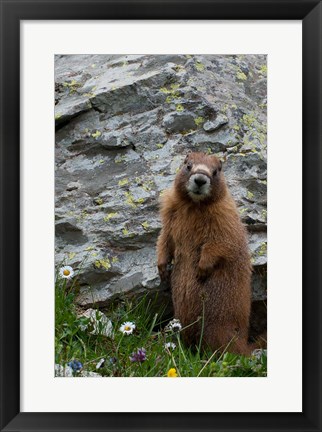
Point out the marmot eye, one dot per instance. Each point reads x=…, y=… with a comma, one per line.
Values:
x=189, y=166
x=215, y=172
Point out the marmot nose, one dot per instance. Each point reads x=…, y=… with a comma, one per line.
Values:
x=200, y=181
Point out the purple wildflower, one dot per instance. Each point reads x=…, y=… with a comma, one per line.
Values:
x=138, y=356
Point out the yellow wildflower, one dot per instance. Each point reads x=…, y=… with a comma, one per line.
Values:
x=172, y=373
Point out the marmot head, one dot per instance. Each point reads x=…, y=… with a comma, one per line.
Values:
x=201, y=178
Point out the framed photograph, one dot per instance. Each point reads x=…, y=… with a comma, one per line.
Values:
x=160, y=213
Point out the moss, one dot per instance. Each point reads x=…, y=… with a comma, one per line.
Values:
x=119, y=159
x=139, y=201
x=191, y=81
x=233, y=149
x=72, y=86
x=200, y=67
x=99, y=201
x=165, y=90
x=261, y=136
x=263, y=249
x=179, y=108
x=123, y=182
x=225, y=109
x=130, y=200
x=83, y=215
x=110, y=216
x=57, y=116
x=145, y=225
x=179, y=68
x=247, y=141
x=171, y=92
x=103, y=263
x=236, y=127
x=250, y=195
x=258, y=131
x=250, y=143
x=263, y=70
x=249, y=120
x=96, y=134
x=146, y=187
x=159, y=146
x=71, y=255
x=115, y=259
x=89, y=248
x=125, y=231
x=241, y=76
x=199, y=121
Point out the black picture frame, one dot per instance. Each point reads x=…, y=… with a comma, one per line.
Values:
x=12, y=12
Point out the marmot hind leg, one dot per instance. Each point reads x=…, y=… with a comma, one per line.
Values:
x=225, y=339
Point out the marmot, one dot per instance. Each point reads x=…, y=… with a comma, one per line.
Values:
x=203, y=236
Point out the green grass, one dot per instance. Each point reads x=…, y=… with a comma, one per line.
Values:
x=74, y=342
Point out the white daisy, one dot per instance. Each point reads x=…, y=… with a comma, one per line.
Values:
x=66, y=272
x=170, y=346
x=127, y=327
x=174, y=325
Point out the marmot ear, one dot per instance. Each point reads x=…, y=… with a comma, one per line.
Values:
x=220, y=165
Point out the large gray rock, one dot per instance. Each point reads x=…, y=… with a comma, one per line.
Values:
x=123, y=127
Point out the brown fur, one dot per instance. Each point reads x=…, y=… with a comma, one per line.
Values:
x=211, y=273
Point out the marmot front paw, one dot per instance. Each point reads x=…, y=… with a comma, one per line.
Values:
x=204, y=272
x=164, y=272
